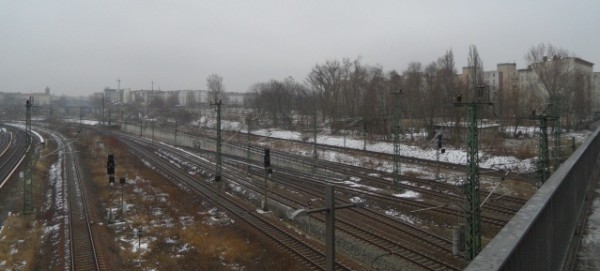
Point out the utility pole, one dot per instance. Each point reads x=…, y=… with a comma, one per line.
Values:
x=123, y=121
x=218, y=170
x=102, y=123
x=543, y=162
x=122, y=181
x=472, y=208
x=556, y=113
x=141, y=125
x=364, y=135
x=153, y=120
x=248, y=123
x=315, y=155
x=175, y=144
x=383, y=113
x=80, y=118
x=397, y=165
x=27, y=181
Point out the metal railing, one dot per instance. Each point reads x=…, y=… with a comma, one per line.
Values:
x=544, y=234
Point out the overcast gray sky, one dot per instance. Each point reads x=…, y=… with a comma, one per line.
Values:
x=80, y=47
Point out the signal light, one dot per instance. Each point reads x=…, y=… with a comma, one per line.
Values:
x=267, y=158
x=110, y=164
x=111, y=179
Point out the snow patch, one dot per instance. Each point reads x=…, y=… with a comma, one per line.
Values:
x=408, y=194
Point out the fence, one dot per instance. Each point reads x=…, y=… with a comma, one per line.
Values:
x=545, y=232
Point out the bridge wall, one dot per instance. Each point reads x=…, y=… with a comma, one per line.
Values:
x=541, y=234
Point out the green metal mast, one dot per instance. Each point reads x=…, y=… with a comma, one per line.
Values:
x=248, y=123
x=397, y=165
x=472, y=188
x=315, y=155
x=175, y=135
x=27, y=181
x=556, y=134
x=472, y=204
x=543, y=163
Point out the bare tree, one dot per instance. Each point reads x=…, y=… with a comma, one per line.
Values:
x=430, y=99
x=475, y=79
x=579, y=107
x=327, y=81
x=216, y=89
x=413, y=88
x=446, y=78
x=280, y=100
x=552, y=68
x=354, y=89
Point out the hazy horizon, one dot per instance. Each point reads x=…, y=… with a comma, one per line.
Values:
x=77, y=48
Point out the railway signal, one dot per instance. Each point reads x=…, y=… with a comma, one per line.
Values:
x=267, y=158
x=110, y=165
x=439, y=137
x=110, y=170
x=268, y=172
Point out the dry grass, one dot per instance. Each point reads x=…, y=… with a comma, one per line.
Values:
x=175, y=246
x=20, y=238
x=19, y=242
x=526, y=151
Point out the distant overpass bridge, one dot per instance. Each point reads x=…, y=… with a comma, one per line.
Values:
x=545, y=234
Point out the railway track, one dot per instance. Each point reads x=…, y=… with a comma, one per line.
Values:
x=383, y=179
x=444, y=209
x=83, y=253
x=497, y=214
x=13, y=152
x=426, y=255
x=447, y=207
x=277, y=233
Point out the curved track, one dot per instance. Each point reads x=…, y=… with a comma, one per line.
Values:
x=14, y=149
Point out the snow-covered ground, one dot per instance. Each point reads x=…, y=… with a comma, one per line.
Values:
x=457, y=156
x=589, y=254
